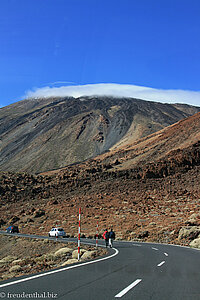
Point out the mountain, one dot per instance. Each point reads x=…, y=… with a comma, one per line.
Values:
x=147, y=190
x=50, y=133
x=154, y=197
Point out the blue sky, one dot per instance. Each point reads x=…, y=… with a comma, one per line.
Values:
x=52, y=43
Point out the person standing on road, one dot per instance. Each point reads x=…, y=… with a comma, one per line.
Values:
x=106, y=237
x=111, y=238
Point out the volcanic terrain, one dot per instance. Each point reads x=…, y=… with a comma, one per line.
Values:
x=147, y=189
x=44, y=134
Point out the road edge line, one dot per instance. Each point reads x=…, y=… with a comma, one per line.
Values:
x=61, y=270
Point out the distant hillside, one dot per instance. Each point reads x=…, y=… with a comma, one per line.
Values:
x=44, y=134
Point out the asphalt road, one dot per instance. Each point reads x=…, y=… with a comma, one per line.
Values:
x=136, y=271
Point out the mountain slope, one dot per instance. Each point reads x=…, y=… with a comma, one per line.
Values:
x=161, y=145
x=42, y=134
x=156, y=199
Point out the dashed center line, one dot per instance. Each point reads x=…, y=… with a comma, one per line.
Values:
x=166, y=254
x=160, y=264
x=154, y=248
x=128, y=288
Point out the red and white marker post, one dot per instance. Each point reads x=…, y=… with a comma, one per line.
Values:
x=79, y=234
x=97, y=234
x=56, y=227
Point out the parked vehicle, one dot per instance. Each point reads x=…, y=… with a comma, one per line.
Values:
x=12, y=229
x=57, y=232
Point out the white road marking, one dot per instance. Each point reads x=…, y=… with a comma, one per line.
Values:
x=160, y=264
x=166, y=254
x=128, y=288
x=60, y=270
x=137, y=245
x=154, y=248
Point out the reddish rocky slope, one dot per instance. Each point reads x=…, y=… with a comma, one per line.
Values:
x=148, y=190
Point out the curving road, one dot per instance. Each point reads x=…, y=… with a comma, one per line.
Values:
x=135, y=271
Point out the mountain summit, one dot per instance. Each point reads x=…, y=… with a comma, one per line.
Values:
x=50, y=133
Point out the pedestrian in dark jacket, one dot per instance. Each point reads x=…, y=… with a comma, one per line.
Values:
x=106, y=237
x=111, y=238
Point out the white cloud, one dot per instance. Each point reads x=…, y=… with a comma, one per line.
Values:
x=119, y=90
x=61, y=82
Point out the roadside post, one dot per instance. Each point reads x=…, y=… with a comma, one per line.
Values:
x=97, y=233
x=56, y=227
x=79, y=234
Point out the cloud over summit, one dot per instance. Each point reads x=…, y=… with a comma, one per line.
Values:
x=119, y=90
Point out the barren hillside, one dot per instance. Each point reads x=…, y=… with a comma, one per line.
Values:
x=156, y=198
x=44, y=134
x=161, y=145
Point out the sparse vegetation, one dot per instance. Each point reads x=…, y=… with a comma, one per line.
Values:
x=29, y=256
